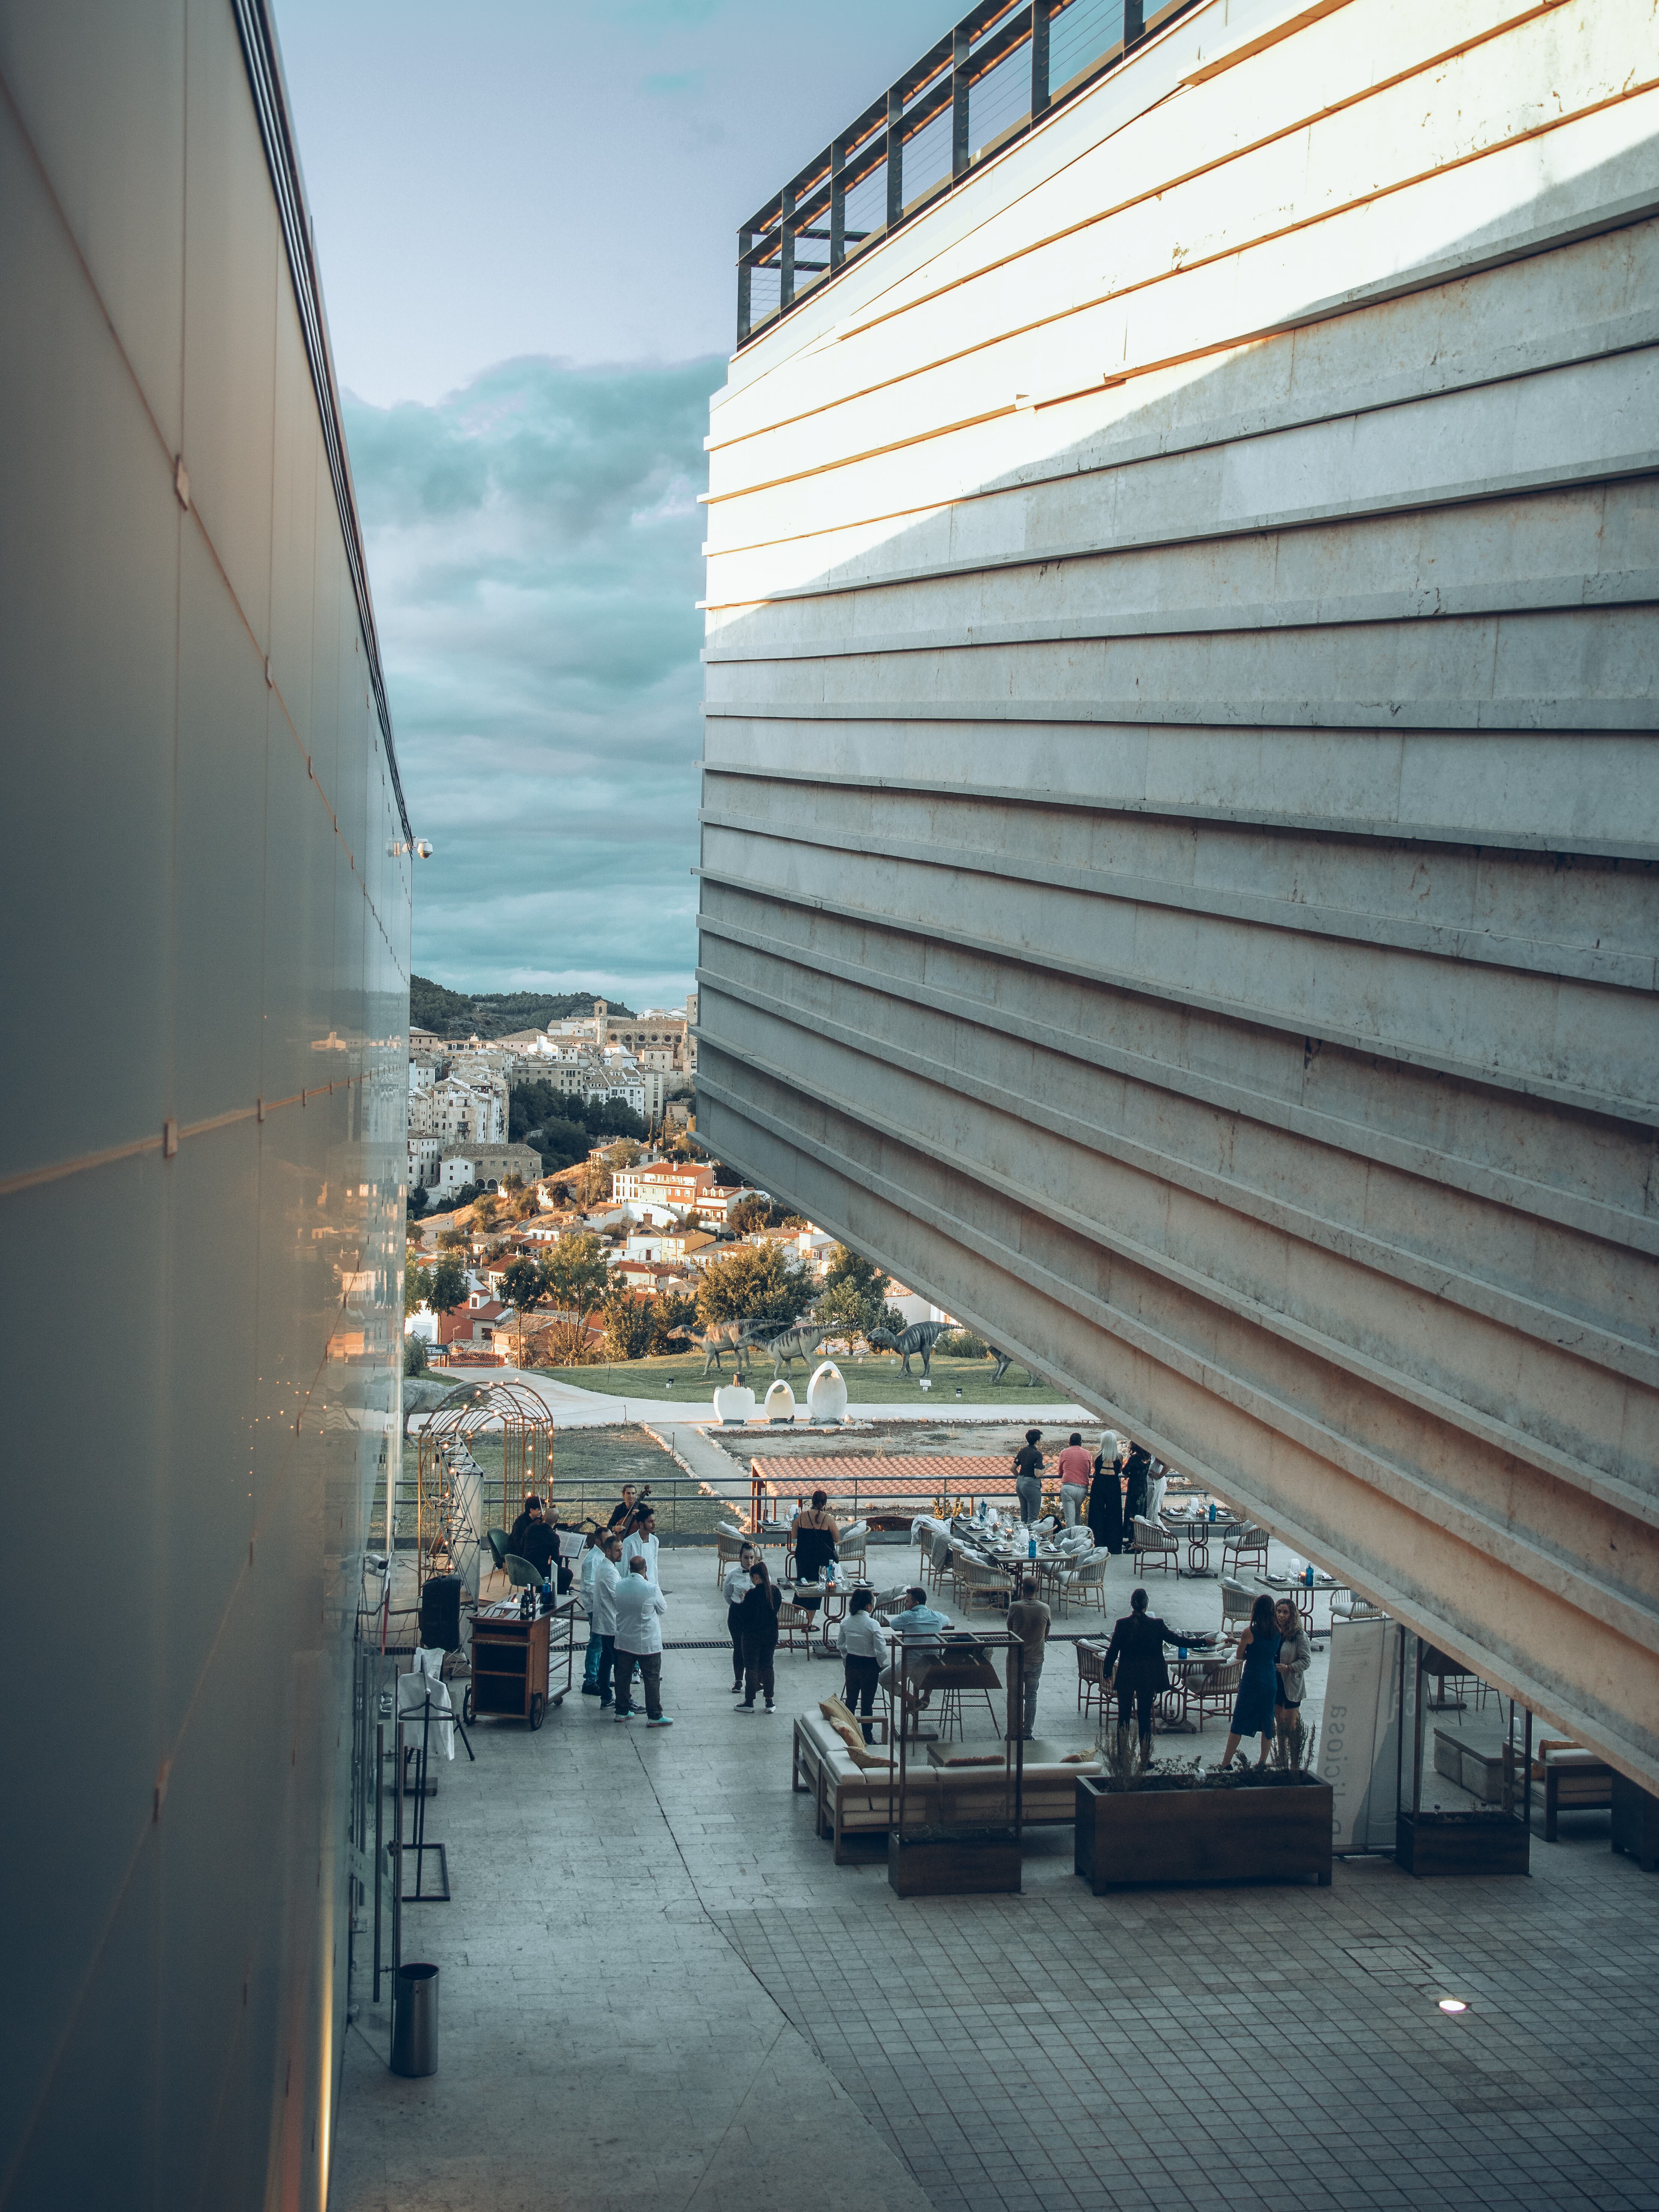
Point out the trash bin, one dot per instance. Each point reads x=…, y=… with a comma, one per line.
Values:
x=415, y=2020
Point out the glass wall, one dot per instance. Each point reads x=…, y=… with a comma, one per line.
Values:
x=206, y=905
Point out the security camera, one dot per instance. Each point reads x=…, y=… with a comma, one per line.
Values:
x=423, y=848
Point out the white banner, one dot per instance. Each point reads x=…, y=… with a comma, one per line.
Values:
x=1360, y=1734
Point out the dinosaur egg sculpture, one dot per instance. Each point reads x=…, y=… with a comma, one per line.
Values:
x=826, y=1393
x=733, y=1403
x=780, y=1402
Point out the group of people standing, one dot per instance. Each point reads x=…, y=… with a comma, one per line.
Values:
x=1110, y=1488
x=625, y=1610
x=1274, y=1651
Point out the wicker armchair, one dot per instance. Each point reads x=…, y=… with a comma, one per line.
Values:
x=1215, y=1692
x=1154, y=1543
x=1245, y=1543
x=729, y=1549
x=1091, y=1676
x=1085, y=1583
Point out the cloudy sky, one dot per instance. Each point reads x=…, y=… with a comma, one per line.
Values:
x=525, y=213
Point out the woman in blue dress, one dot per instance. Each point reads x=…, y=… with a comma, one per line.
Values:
x=1258, y=1686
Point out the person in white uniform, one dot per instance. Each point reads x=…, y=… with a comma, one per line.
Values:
x=639, y=1606
x=601, y=1610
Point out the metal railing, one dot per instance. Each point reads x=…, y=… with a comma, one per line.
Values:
x=1002, y=69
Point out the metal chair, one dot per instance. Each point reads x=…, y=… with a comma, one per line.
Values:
x=1156, y=1544
x=851, y=1552
x=1216, y=1692
x=1236, y=1606
x=1086, y=1582
x=1091, y=1676
x=937, y=1564
x=979, y=1579
x=496, y=1539
x=1243, y=1542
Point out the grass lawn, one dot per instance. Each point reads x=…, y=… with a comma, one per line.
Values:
x=875, y=1380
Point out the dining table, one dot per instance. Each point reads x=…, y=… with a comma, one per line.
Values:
x=1198, y=1532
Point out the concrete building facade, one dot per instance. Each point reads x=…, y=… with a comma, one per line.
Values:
x=206, y=898
x=1179, y=808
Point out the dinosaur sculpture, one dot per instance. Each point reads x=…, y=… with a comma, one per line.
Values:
x=1004, y=1361
x=921, y=1336
x=798, y=1341
x=719, y=1338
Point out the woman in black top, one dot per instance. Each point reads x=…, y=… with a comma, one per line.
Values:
x=1137, y=1651
x=757, y=1619
x=1028, y=1476
x=1106, y=1504
x=1139, y=1469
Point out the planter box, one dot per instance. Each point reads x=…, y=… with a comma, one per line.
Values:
x=953, y=1866
x=1459, y=1843
x=1263, y=1832
x=1636, y=1822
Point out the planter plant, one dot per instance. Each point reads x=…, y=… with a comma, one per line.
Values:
x=1175, y=1821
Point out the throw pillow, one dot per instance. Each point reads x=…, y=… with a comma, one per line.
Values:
x=835, y=1710
x=848, y=1735
x=863, y=1756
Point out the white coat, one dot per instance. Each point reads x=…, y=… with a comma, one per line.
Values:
x=639, y=1605
x=640, y=1547
x=602, y=1608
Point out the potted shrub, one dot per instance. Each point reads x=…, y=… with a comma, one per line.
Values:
x=1171, y=1821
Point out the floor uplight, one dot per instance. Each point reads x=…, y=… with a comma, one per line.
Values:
x=1453, y=2004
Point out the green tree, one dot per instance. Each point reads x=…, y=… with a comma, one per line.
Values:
x=854, y=1294
x=447, y=1287
x=414, y=1356
x=754, y=1213
x=576, y=1278
x=754, y=1282
x=670, y=1312
x=523, y=1281
x=628, y=1323
x=417, y=1285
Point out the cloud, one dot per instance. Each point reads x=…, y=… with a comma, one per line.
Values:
x=533, y=546
x=668, y=84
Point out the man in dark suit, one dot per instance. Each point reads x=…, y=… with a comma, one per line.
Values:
x=532, y=1539
x=1137, y=1651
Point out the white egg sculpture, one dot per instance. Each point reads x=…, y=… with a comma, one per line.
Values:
x=733, y=1403
x=780, y=1402
x=826, y=1393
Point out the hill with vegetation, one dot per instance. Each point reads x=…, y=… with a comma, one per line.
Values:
x=495, y=1013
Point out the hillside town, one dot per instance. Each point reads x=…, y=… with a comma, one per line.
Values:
x=613, y=1070
x=624, y=1254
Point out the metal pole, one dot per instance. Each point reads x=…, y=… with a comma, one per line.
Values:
x=786, y=250
x=380, y=1844
x=959, y=96
x=837, y=208
x=1039, y=58
x=1134, y=22
x=895, y=157
x=745, y=244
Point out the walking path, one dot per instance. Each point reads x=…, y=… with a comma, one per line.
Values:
x=573, y=1408
x=659, y=1993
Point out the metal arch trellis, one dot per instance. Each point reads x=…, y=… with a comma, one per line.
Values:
x=448, y=1478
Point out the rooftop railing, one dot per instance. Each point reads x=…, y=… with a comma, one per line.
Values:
x=1005, y=67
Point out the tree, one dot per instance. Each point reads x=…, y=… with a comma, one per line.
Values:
x=484, y=1210
x=414, y=1356
x=524, y=1282
x=417, y=1286
x=452, y=1240
x=670, y=1312
x=753, y=1212
x=576, y=1278
x=754, y=1282
x=447, y=1286
x=854, y=1294
x=628, y=1323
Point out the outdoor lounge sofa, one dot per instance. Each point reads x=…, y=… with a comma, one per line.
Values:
x=851, y=1800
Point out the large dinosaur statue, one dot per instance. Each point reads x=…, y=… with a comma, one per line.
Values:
x=717, y=1340
x=798, y=1341
x=921, y=1336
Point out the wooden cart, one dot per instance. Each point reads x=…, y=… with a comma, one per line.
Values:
x=513, y=1664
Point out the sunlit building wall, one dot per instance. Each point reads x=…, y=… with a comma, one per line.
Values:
x=206, y=902
x=1180, y=802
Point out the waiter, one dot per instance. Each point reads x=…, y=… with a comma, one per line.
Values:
x=533, y=1538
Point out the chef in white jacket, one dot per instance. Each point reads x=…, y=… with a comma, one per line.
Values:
x=641, y=1543
x=589, y=1568
x=639, y=1606
x=602, y=1609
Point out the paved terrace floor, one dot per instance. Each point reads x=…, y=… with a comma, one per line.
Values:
x=659, y=1991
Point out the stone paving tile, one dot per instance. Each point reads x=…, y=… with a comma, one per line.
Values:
x=653, y=1908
